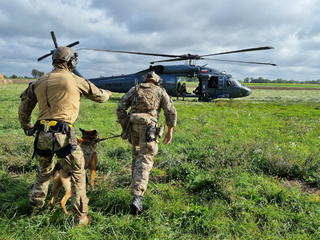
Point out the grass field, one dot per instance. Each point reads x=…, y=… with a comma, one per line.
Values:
x=236, y=169
x=284, y=85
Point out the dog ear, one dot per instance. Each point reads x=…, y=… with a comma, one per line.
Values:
x=95, y=131
x=82, y=130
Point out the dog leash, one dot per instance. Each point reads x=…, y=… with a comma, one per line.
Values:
x=102, y=139
x=94, y=141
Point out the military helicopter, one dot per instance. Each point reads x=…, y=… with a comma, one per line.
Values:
x=212, y=83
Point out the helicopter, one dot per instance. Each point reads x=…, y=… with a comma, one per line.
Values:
x=212, y=83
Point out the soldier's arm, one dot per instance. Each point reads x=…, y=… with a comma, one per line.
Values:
x=169, y=110
x=91, y=91
x=26, y=106
x=170, y=114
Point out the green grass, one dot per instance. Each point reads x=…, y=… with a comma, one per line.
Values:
x=290, y=85
x=231, y=172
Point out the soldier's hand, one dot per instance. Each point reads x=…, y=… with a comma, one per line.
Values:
x=168, y=137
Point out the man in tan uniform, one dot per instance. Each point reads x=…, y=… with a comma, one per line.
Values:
x=140, y=127
x=58, y=96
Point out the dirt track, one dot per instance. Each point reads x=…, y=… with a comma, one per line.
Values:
x=21, y=81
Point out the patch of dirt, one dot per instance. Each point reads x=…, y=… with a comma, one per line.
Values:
x=303, y=185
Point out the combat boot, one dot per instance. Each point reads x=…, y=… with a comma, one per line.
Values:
x=136, y=205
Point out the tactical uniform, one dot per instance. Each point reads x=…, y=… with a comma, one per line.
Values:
x=182, y=91
x=140, y=126
x=58, y=96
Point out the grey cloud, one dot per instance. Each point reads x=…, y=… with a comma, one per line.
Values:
x=173, y=27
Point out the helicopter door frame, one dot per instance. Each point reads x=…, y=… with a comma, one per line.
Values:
x=221, y=82
x=205, y=94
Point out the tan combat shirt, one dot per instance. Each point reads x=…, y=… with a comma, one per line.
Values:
x=164, y=102
x=58, y=96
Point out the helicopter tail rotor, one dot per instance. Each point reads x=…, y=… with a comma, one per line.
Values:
x=56, y=46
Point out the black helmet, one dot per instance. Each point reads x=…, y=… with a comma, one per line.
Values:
x=65, y=54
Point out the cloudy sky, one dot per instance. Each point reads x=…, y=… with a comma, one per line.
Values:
x=166, y=26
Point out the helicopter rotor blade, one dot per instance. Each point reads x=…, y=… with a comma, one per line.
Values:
x=44, y=56
x=241, y=50
x=139, y=53
x=222, y=60
x=189, y=56
x=53, y=36
x=73, y=44
x=168, y=60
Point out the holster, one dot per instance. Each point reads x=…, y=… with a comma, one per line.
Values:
x=153, y=133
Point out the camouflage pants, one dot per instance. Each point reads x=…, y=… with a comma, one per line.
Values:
x=73, y=162
x=142, y=159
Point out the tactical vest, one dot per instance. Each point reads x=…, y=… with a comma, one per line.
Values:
x=146, y=99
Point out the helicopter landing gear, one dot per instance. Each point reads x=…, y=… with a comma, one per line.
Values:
x=204, y=98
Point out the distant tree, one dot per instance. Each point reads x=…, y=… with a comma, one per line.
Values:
x=36, y=73
x=246, y=80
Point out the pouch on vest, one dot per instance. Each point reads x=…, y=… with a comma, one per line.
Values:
x=140, y=118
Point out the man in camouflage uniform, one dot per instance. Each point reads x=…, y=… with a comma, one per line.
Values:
x=58, y=96
x=140, y=127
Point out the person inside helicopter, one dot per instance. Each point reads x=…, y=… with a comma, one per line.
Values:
x=198, y=90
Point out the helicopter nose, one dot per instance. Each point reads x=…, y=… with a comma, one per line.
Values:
x=245, y=91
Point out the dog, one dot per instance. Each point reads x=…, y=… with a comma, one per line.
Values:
x=62, y=178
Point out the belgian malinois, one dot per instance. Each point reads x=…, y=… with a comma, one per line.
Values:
x=62, y=178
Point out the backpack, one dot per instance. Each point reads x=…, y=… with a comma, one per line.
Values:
x=145, y=99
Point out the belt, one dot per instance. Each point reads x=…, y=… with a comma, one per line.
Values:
x=52, y=126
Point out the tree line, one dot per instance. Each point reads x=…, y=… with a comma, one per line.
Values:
x=34, y=73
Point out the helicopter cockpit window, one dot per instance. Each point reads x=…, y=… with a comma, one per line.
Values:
x=236, y=82
x=232, y=82
x=229, y=83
